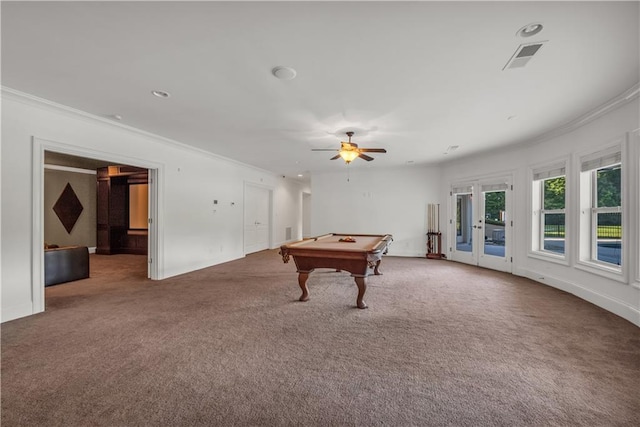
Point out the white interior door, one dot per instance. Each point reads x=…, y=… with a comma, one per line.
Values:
x=481, y=224
x=463, y=248
x=257, y=223
x=494, y=226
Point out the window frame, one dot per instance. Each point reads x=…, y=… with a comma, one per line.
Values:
x=544, y=212
x=587, y=221
x=538, y=213
x=634, y=153
x=595, y=211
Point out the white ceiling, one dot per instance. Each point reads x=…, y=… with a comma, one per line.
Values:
x=414, y=78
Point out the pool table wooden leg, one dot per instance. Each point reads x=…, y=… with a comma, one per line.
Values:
x=376, y=270
x=362, y=288
x=302, y=281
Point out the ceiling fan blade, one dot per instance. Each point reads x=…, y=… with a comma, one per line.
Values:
x=365, y=157
x=373, y=150
x=323, y=149
x=335, y=157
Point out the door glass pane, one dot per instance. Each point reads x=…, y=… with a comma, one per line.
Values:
x=494, y=223
x=464, y=210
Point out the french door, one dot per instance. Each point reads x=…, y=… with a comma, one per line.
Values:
x=481, y=223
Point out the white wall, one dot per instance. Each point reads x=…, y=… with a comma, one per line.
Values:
x=306, y=214
x=191, y=235
x=392, y=201
x=288, y=209
x=622, y=298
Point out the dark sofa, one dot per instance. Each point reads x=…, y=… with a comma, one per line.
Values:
x=65, y=264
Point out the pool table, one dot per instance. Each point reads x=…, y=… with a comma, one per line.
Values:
x=358, y=254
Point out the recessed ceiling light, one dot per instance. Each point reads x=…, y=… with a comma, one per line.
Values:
x=160, y=93
x=530, y=30
x=115, y=117
x=511, y=117
x=300, y=175
x=284, y=73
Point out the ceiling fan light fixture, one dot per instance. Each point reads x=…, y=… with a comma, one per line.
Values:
x=349, y=151
x=348, y=155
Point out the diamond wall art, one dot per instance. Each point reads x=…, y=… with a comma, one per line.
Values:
x=68, y=208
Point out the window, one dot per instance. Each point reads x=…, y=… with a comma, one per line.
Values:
x=601, y=203
x=549, y=216
x=607, y=215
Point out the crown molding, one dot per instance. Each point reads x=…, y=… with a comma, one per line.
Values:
x=36, y=101
x=616, y=102
x=624, y=98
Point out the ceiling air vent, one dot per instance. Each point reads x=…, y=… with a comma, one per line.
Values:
x=523, y=54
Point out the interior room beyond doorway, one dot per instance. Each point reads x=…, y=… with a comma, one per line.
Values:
x=96, y=205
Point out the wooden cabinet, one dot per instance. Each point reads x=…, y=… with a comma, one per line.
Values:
x=114, y=233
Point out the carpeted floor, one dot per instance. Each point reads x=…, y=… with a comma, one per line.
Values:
x=441, y=344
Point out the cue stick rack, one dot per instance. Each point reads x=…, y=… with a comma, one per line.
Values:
x=434, y=236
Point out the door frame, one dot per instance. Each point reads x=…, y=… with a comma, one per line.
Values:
x=156, y=191
x=477, y=256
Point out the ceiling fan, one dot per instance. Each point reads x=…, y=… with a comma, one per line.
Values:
x=349, y=151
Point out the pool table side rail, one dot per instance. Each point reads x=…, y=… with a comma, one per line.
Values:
x=384, y=242
x=333, y=257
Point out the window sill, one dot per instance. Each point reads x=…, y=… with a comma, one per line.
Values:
x=549, y=256
x=612, y=273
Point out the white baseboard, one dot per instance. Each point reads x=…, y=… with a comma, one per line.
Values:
x=184, y=269
x=92, y=249
x=408, y=254
x=12, y=313
x=615, y=306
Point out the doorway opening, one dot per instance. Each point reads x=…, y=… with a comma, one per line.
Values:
x=481, y=223
x=77, y=170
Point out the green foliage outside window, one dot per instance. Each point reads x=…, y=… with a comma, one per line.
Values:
x=494, y=203
x=609, y=194
x=554, y=193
